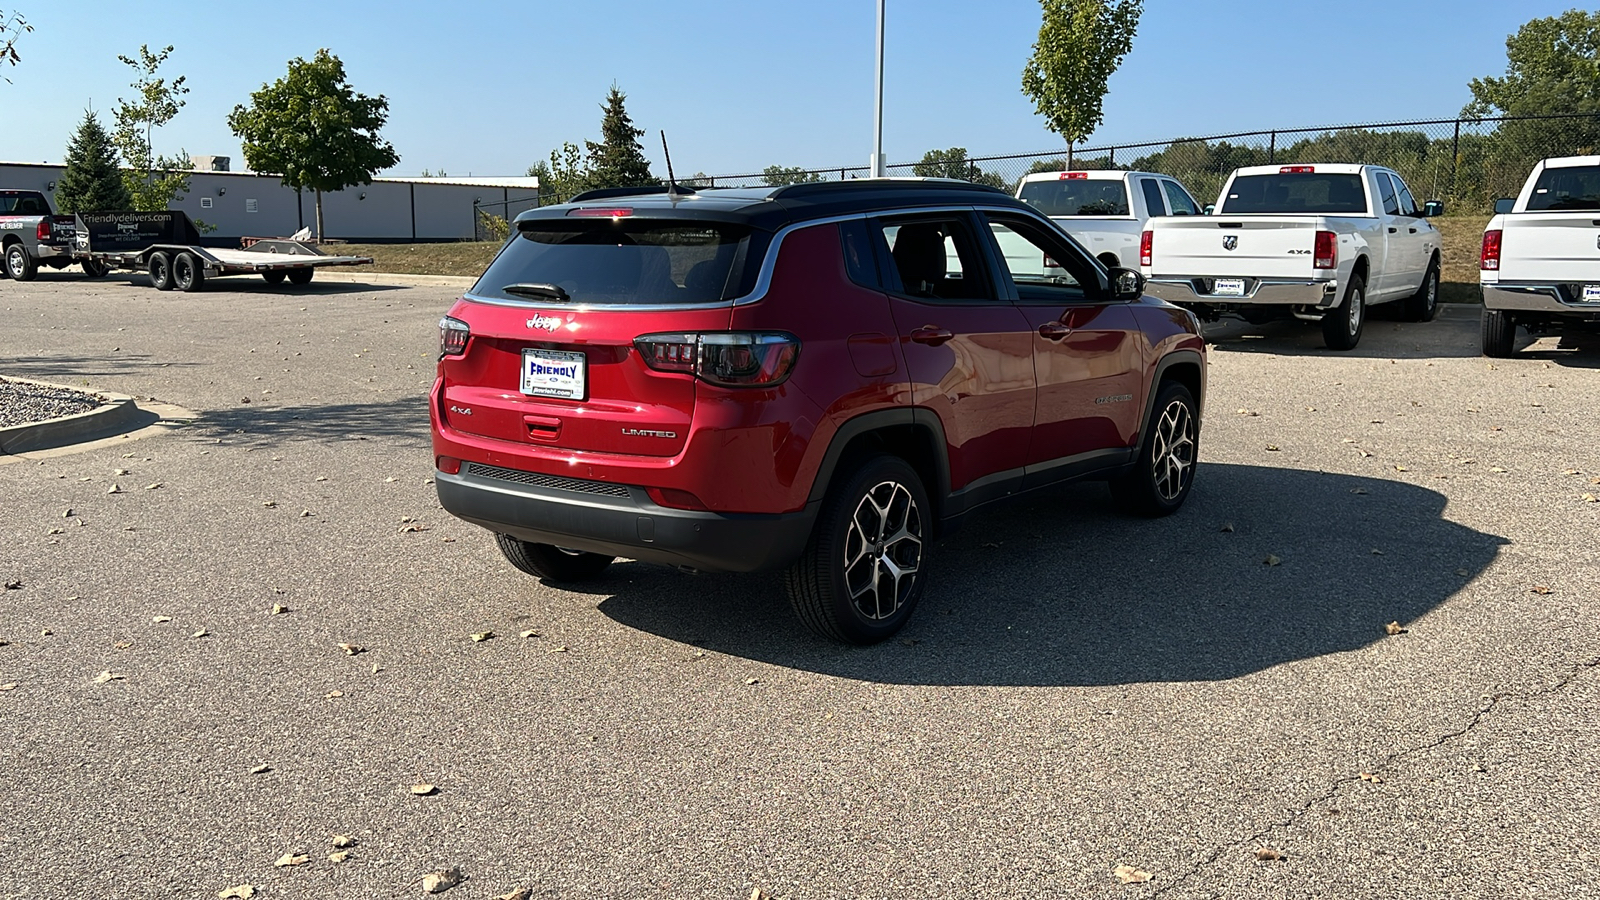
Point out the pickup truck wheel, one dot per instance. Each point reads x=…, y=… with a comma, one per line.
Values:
x=301, y=276
x=94, y=268
x=552, y=563
x=187, y=273
x=1424, y=304
x=1499, y=334
x=272, y=276
x=1341, y=326
x=19, y=265
x=1163, y=474
x=160, y=268
x=861, y=574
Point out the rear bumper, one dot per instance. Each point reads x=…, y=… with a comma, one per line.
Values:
x=1258, y=292
x=1528, y=297
x=623, y=522
x=46, y=251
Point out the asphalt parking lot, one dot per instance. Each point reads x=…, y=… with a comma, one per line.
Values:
x=1079, y=691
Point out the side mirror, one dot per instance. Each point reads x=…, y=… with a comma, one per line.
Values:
x=1126, y=284
x=1432, y=208
x=1503, y=206
x=1210, y=208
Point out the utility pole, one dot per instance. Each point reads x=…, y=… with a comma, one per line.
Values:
x=877, y=129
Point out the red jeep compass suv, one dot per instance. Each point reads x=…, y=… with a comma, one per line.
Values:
x=821, y=378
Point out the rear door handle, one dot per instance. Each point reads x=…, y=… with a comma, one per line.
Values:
x=1393, y=230
x=932, y=335
x=1054, y=331
x=1413, y=231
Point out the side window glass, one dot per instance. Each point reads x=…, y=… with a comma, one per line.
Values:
x=1031, y=258
x=859, y=261
x=1408, y=206
x=1391, y=204
x=1180, y=201
x=936, y=259
x=1152, y=197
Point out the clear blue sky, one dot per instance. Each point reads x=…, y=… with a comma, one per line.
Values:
x=489, y=88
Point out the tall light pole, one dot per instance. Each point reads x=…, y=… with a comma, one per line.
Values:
x=877, y=128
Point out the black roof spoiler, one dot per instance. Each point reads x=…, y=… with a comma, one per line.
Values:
x=641, y=191
x=823, y=188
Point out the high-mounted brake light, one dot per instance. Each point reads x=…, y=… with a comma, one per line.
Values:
x=1073, y=176
x=1489, y=260
x=1325, y=254
x=1297, y=170
x=43, y=231
x=601, y=212
x=453, y=336
x=727, y=359
x=1147, y=242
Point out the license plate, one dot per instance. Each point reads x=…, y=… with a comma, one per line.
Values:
x=1591, y=292
x=555, y=373
x=1228, y=287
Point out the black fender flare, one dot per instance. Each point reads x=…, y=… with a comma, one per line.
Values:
x=1176, y=357
x=904, y=417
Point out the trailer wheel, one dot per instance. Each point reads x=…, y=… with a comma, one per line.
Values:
x=160, y=269
x=301, y=276
x=273, y=276
x=94, y=268
x=19, y=265
x=187, y=274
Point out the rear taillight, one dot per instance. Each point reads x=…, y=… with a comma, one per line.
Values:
x=728, y=359
x=1146, y=244
x=1489, y=260
x=43, y=231
x=453, y=336
x=1325, y=253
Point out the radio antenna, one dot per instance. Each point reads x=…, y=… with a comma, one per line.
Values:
x=672, y=181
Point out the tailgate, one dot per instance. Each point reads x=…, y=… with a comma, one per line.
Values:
x=1241, y=246
x=1551, y=247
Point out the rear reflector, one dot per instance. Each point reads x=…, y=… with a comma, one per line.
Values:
x=448, y=465
x=1489, y=260
x=1146, y=245
x=1297, y=170
x=601, y=212
x=672, y=498
x=1325, y=254
x=1073, y=176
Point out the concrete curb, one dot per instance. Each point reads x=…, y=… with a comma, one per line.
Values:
x=461, y=282
x=116, y=413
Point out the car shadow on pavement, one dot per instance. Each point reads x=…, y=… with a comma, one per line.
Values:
x=56, y=369
x=1454, y=334
x=402, y=421
x=1264, y=566
x=247, y=284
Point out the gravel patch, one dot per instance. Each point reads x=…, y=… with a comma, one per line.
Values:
x=22, y=403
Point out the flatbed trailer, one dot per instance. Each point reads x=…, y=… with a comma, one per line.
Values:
x=165, y=245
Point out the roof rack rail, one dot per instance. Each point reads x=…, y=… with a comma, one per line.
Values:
x=793, y=191
x=640, y=191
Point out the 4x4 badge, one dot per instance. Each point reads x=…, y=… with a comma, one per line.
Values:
x=1230, y=241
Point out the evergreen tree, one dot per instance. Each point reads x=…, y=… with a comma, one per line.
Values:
x=618, y=160
x=92, y=181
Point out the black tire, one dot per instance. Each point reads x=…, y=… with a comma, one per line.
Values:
x=552, y=563
x=187, y=273
x=159, y=265
x=301, y=276
x=1424, y=304
x=875, y=525
x=1499, y=334
x=1163, y=472
x=19, y=264
x=94, y=268
x=272, y=276
x=1341, y=326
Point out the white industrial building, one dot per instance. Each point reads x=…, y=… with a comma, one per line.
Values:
x=390, y=210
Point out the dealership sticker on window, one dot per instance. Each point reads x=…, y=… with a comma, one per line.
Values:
x=554, y=373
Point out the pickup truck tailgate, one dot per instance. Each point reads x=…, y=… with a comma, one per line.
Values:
x=1551, y=246
x=1257, y=246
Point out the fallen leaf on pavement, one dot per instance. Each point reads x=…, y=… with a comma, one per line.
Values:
x=1358, y=490
x=201, y=633
x=161, y=620
x=151, y=487
x=1272, y=448
x=560, y=649
x=1394, y=628
x=482, y=636
x=238, y=892
x=530, y=634
x=13, y=585
x=423, y=790
x=351, y=649
x=521, y=893
x=752, y=681
x=115, y=489
x=120, y=472
x=1248, y=412
x=270, y=504
x=108, y=675
x=343, y=840
x=333, y=695
x=1541, y=589
x=306, y=513
x=442, y=880
x=260, y=770
x=1227, y=528
x=1399, y=468
x=292, y=859
x=1271, y=560
x=1371, y=778
x=1130, y=875
x=119, y=645
x=8, y=686
x=338, y=856
x=1590, y=498
x=1364, y=454
x=1267, y=854
x=278, y=609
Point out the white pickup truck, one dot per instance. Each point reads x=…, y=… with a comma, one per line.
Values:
x=1321, y=242
x=1106, y=210
x=1540, y=266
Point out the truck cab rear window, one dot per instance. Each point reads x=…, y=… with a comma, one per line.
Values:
x=1337, y=195
x=1078, y=197
x=23, y=203
x=1569, y=187
x=622, y=261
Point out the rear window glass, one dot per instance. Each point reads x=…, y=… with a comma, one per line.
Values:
x=29, y=204
x=1306, y=193
x=1569, y=187
x=621, y=261
x=1078, y=197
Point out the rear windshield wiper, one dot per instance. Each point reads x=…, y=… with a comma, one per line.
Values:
x=539, y=290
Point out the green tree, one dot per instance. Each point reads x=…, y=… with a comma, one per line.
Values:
x=92, y=181
x=563, y=176
x=12, y=26
x=1081, y=43
x=778, y=176
x=152, y=180
x=618, y=160
x=313, y=129
x=953, y=163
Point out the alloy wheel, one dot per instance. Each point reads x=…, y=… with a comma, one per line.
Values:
x=1357, y=301
x=1172, y=450
x=883, y=550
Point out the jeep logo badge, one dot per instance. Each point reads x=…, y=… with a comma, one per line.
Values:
x=547, y=323
x=1230, y=242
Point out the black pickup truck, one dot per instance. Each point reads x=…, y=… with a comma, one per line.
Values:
x=30, y=235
